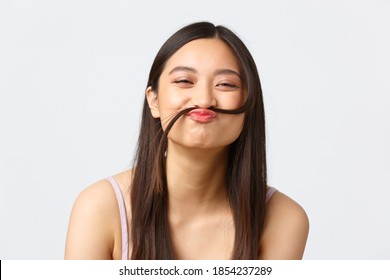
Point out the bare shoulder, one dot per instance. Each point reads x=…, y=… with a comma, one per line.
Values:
x=93, y=223
x=285, y=230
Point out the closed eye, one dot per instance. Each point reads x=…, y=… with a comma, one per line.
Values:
x=227, y=85
x=183, y=82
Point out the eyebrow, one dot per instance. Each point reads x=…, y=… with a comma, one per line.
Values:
x=223, y=71
x=183, y=68
x=227, y=72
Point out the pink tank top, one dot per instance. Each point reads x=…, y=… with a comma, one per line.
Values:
x=123, y=216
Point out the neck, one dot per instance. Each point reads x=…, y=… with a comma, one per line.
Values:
x=196, y=179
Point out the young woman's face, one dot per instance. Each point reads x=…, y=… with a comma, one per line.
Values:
x=203, y=73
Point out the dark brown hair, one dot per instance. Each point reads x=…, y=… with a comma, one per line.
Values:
x=246, y=176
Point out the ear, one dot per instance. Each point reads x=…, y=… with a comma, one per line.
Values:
x=151, y=96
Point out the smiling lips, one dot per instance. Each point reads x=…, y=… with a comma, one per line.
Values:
x=202, y=115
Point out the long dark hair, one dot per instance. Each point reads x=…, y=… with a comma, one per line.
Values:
x=246, y=176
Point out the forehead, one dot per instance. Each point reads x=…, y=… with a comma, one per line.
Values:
x=204, y=55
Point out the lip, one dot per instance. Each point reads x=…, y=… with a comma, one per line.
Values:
x=202, y=115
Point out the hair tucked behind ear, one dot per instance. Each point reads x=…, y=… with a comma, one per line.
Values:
x=246, y=179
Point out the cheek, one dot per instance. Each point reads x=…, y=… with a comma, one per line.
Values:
x=231, y=102
x=231, y=125
x=169, y=104
x=170, y=99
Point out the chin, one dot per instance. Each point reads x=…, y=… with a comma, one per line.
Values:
x=201, y=144
x=202, y=139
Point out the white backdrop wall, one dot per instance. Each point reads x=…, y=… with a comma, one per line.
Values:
x=72, y=79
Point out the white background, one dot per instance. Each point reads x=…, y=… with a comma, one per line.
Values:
x=72, y=79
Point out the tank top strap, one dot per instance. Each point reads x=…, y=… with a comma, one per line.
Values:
x=123, y=217
x=270, y=192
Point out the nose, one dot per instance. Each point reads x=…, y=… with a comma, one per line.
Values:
x=203, y=97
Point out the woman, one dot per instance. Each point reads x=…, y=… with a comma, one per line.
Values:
x=198, y=189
